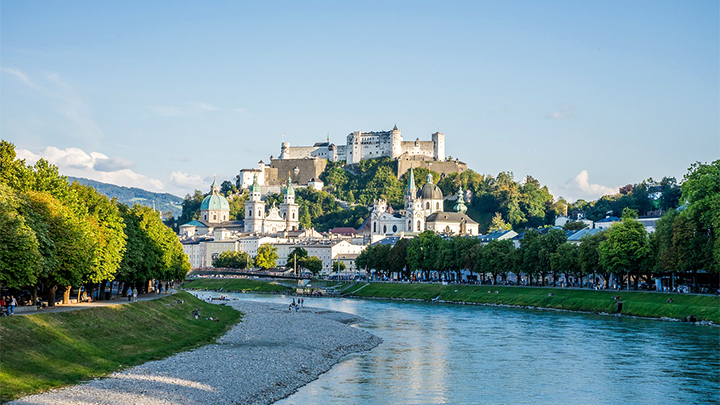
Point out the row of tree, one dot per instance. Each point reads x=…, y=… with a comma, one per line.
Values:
x=56, y=235
x=685, y=242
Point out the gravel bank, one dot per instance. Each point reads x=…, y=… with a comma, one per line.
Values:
x=265, y=358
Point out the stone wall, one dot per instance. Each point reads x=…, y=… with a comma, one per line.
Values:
x=301, y=171
x=442, y=167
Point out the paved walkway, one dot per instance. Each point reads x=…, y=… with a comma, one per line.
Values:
x=32, y=309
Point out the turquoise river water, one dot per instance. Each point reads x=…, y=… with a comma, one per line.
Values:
x=458, y=354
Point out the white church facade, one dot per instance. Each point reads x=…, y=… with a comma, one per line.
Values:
x=423, y=210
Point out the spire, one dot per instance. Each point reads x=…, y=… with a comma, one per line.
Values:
x=328, y=137
x=255, y=186
x=214, y=187
x=289, y=190
x=395, y=128
x=460, y=206
x=411, y=181
x=429, y=179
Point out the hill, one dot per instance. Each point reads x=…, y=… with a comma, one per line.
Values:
x=131, y=195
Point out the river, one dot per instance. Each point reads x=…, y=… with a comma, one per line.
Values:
x=456, y=354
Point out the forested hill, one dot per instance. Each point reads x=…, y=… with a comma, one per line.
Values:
x=131, y=195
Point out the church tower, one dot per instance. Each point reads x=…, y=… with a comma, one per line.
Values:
x=289, y=211
x=254, y=209
x=215, y=207
x=414, y=214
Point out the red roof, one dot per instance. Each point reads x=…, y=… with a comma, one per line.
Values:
x=344, y=231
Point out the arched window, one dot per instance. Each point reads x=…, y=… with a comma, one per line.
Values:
x=204, y=217
x=409, y=225
x=418, y=228
x=427, y=205
x=214, y=217
x=259, y=213
x=283, y=215
x=394, y=228
x=437, y=206
x=374, y=227
x=249, y=213
x=384, y=228
x=293, y=216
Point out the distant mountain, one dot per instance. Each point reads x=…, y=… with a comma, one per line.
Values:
x=131, y=195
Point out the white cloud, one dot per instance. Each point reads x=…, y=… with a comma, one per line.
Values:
x=94, y=165
x=187, y=181
x=580, y=187
x=193, y=108
x=563, y=111
x=20, y=76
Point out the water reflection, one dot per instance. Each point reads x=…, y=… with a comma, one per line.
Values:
x=436, y=353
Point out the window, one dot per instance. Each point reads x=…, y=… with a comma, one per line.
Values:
x=214, y=217
x=394, y=228
x=374, y=227
x=427, y=205
x=437, y=206
x=384, y=228
x=259, y=213
x=293, y=215
x=418, y=228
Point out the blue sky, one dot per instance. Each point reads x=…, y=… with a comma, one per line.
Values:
x=584, y=96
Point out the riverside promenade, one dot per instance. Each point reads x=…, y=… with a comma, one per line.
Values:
x=32, y=309
x=264, y=358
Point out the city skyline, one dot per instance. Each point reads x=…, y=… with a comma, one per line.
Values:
x=584, y=97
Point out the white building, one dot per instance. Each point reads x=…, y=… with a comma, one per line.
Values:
x=284, y=218
x=369, y=145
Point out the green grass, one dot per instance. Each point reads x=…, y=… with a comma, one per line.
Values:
x=51, y=350
x=635, y=303
x=235, y=284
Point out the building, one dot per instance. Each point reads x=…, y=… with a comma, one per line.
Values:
x=423, y=210
x=278, y=219
x=361, y=145
x=214, y=216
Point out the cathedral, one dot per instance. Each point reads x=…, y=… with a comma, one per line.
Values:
x=423, y=210
x=278, y=219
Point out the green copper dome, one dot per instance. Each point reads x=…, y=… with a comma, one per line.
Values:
x=289, y=191
x=215, y=201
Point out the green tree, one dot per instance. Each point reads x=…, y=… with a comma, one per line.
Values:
x=498, y=224
x=313, y=265
x=626, y=248
x=422, y=252
x=20, y=258
x=266, y=256
x=589, y=257
x=191, y=207
x=338, y=266
x=296, y=258
x=565, y=261
x=397, y=258
x=496, y=259
x=232, y=260
x=701, y=194
x=574, y=226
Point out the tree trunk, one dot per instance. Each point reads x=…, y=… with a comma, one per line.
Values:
x=66, y=295
x=102, y=291
x=51, y=296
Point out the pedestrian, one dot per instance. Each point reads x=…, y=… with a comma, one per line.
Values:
x=135, y=294
x=167, y=287
x=2, y=301
x=130, y=293
x=302, y=302
x=13, y=304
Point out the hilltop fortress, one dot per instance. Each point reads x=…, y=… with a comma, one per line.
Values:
x=369, y=145
x=304, y=164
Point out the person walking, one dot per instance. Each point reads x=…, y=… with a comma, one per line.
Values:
x=13, y=304
x=135, y=294
x=130, y=294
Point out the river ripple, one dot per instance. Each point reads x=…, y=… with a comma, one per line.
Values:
x=455, y=354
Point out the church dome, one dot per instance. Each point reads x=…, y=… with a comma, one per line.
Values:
x=215, y=202
x=431, y=192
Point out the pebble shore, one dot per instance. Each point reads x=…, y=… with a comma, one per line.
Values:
x=265, y=358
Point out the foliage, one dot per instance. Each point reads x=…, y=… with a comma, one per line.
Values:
x=338, y=266
x=266, y=256
x=20, y=258
x=701, y=193
x=625, y=248
x=313, y=264
x=232, y=260
x=574, y=225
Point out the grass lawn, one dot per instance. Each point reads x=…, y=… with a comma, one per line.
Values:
x=235, y=284
x=51, y=350
x=636, y=303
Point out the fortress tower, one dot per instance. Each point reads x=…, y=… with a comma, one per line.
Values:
x=438, y=140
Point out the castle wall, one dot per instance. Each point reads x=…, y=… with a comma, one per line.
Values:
x=418, y=148
x=445, y=167
x=301, y=171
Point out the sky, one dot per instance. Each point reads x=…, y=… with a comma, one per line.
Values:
x=584, y=96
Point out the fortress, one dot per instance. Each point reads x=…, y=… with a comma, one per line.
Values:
x=369, y=145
